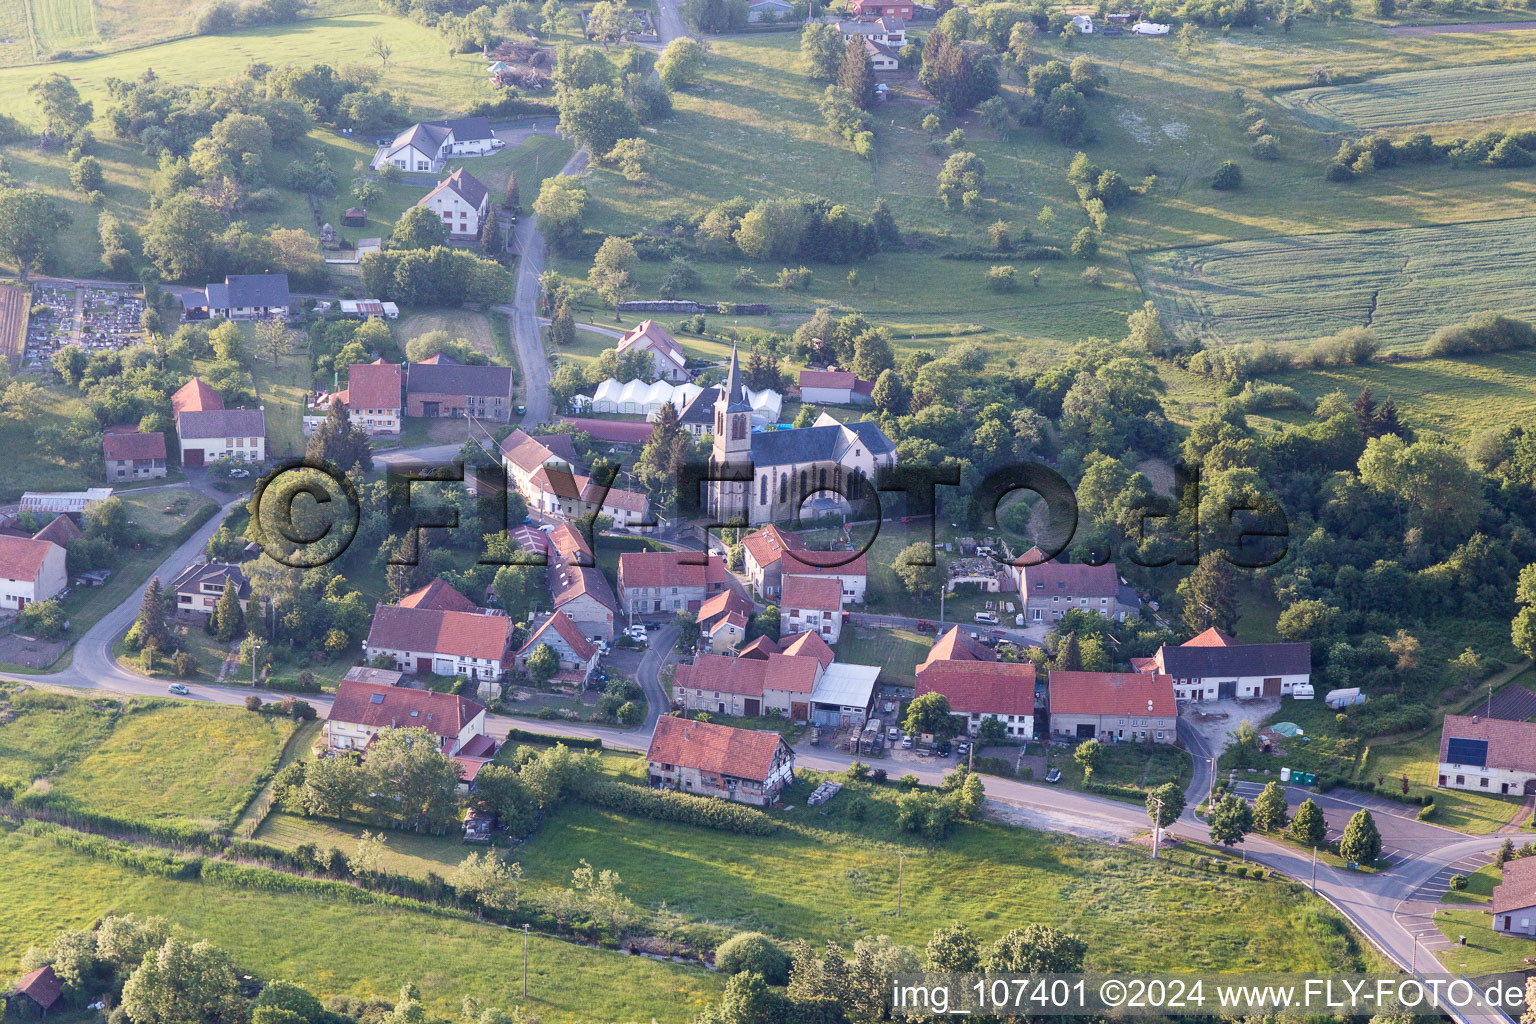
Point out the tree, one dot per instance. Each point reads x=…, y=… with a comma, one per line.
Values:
x=64, y=113
x=1361, y=842
x=1228, y=176
x=755, y=952
x=227, y=620
x=562, y=326
x=607, y=23
x=380, y=48
x=609, y=275
x=1172, y=804
x=951, y=950
x=1036, y=949
x=409, y=782
x=1269, y=809
x=1089, y=754
x=273, y=339
x=961, y=180
x=1309, y=827
x=929, y=713
x=596, y=117
x=543, y=663
x=340, y=441
x=921, y=580
x=682, y=63
x=30, y=223
x=367, y=859
x=490, y=881
x=633, y=157
x=181, y=983
x=150, y=626
x=1209, y=595
x=1505, y=854
x=182, y=237
x=418, y=228
x=823, y=50
x=856, y=74
x=958, y=75
x=1230, y=820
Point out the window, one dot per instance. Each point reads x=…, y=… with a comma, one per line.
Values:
x=1483, y=782
x=1461, y=780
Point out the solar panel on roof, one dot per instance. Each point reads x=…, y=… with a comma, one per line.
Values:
x=1468, y=752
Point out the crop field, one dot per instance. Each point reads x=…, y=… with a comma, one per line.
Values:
x=62, y=24
x=45, y=890
x=1421, y=97
x=14, y=305
x=1403, y=283
x=178, y=761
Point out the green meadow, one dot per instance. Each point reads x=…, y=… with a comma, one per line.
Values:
x=1422, y=97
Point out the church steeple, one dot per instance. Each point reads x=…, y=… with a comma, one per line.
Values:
x=735, y=400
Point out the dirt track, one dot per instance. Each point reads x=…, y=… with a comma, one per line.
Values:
x=1467, y=27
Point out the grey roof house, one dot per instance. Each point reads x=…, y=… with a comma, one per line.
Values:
x=242, y=297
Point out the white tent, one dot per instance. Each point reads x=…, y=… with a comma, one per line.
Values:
x=635, y=397
x=766, y=404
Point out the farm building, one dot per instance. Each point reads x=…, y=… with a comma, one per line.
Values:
x=1114, y=707
x=716, y=760
x=133, y=455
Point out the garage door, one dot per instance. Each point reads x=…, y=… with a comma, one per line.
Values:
x=193, y=457
x=1272, y=686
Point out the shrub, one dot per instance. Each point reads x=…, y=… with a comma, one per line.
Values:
x=1093, y=277
x=1227, y=177
x=1240, y=871
x=1265, y=147
x=1427, y=813
x=664, y=805
x=1002, y=279
x=1458, y=882
x=253, y=703
x=1482, y=332
x=1085, y=244
x=574, y=742
x=908, y=781
x=1338, y=172
x=755, y=952
x=879, y=775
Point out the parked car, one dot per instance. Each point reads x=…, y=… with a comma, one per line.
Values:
x=1053, y=776
x=990, y=618
x=239, y=474
x=906, y=743
x=179, y=690
x=944, y=749
x=962, y=749
x=893, y=734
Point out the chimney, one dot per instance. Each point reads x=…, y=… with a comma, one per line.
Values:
x=1474, y=719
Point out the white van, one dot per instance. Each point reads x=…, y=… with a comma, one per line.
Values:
x=987, y=617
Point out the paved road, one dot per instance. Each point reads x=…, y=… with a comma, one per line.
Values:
x=658, y=653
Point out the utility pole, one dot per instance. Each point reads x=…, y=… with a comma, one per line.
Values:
x=1314, y=869
x=1211, y=796
x=901, y=859
x=525, y=961
x=1157, y=827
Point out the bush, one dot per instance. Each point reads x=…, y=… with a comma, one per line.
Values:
x=1023, y=252
x=1427, y=813
x=1458, y=882
x=879, y=775
x=1338, y=172
x=664, y=805
x=1227, y=177
x=1483, y=332
x=574, y=742
x=755, y=952
x=1265, y=147
x=908, y=781
x=996, y=766
x=1002, y=279
x=253, y=703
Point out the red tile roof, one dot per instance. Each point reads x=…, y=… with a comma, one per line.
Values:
x=815, y=593
x=759, y=648
x=982, y=687
x=569, y=632
x=1112, y=693
x=1212, y=637
x=721, y=606
x=956, y=646
x=1518, y=889
x=650, y=335
x=671, y=569
x=807, y=645
x=61, y=530
x=1060, y=578
x=438, y=595
x=195, y=396
x=373, y=386
x=21, y=558
x=399, y=707
x=134, y=446
x=41, y=986
x=465, y=634
x=718, y=673
x=792, y=673
x=572, y=546
x=772, y=545
x=1511, y=745
x=720, y=749
x=835, y=379
x=527, y=452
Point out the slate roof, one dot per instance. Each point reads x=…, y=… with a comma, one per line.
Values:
x=191, y=579
x=373, y=386
x=400, y=707
x=248, y=290
x=1511, y=745
x=1062, y=579
x=450, y=378
x=1518, y=889
x=719, y=749
x=1112, y=693
x=1238, y=660
x=465, y=634
x=467, y=129
x=21, y=558
x=701, y=408
x=816, y=444
x=221, y=423
x=195, y=396
x=428, y=137
x=574, y=581
x=438, y=595
x=982, y=687
x=463, y=184
x=133, y=445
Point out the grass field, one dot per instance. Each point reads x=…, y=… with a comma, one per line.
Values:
x=485, y=332
x=1479, y=888
x=1402, y=283
x=42, y=732
x=896, y=651
x=45, y=890
x=178, y=761
x=281, y=391
x=1421, y=97
x=1486, y=951
x=62, y=24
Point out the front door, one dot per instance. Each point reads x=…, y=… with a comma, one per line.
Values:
x=720, y=707
x=1272, y=686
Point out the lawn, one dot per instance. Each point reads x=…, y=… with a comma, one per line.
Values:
x=1133, y=765
x=1486, y=951
x=1479, y=888
x=1421, y=97
x=27, y=467
x=896, y=651
x=281, y=390
x=185, y=761
x=1419, y=758
x=46, y=889
x=43, y=732
x=486, y=333
x=1403, y=283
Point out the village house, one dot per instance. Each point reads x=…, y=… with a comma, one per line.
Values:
x=772, y=553
x=441, y=388
x=744, y=687
x=363, y=710
x=1214, y=666
x=978, y=686
x=578, y=655
x=239, y=434
x=902, y=9
x=576, y=587
x=462, y=203
x=1488, y=755
x=767, y=476
x=426, y=146
x=723, y=621
x=667, y=359
x=134, y=455
x=769, y=11
x=31, y=570
x=241, y=297
x=1514, y=899
x=744, y=765
x=439, y=595
x=543, y=469
x=371, y=398
x=195, y=396
x=656, y=583
x=199, y=586
x=1051, y=589
x=61, y=530
x=476, y=645
x=886, y=31
x=812, y=605
x=1113, y=707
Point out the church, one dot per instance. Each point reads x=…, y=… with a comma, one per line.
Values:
x=766, y=476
